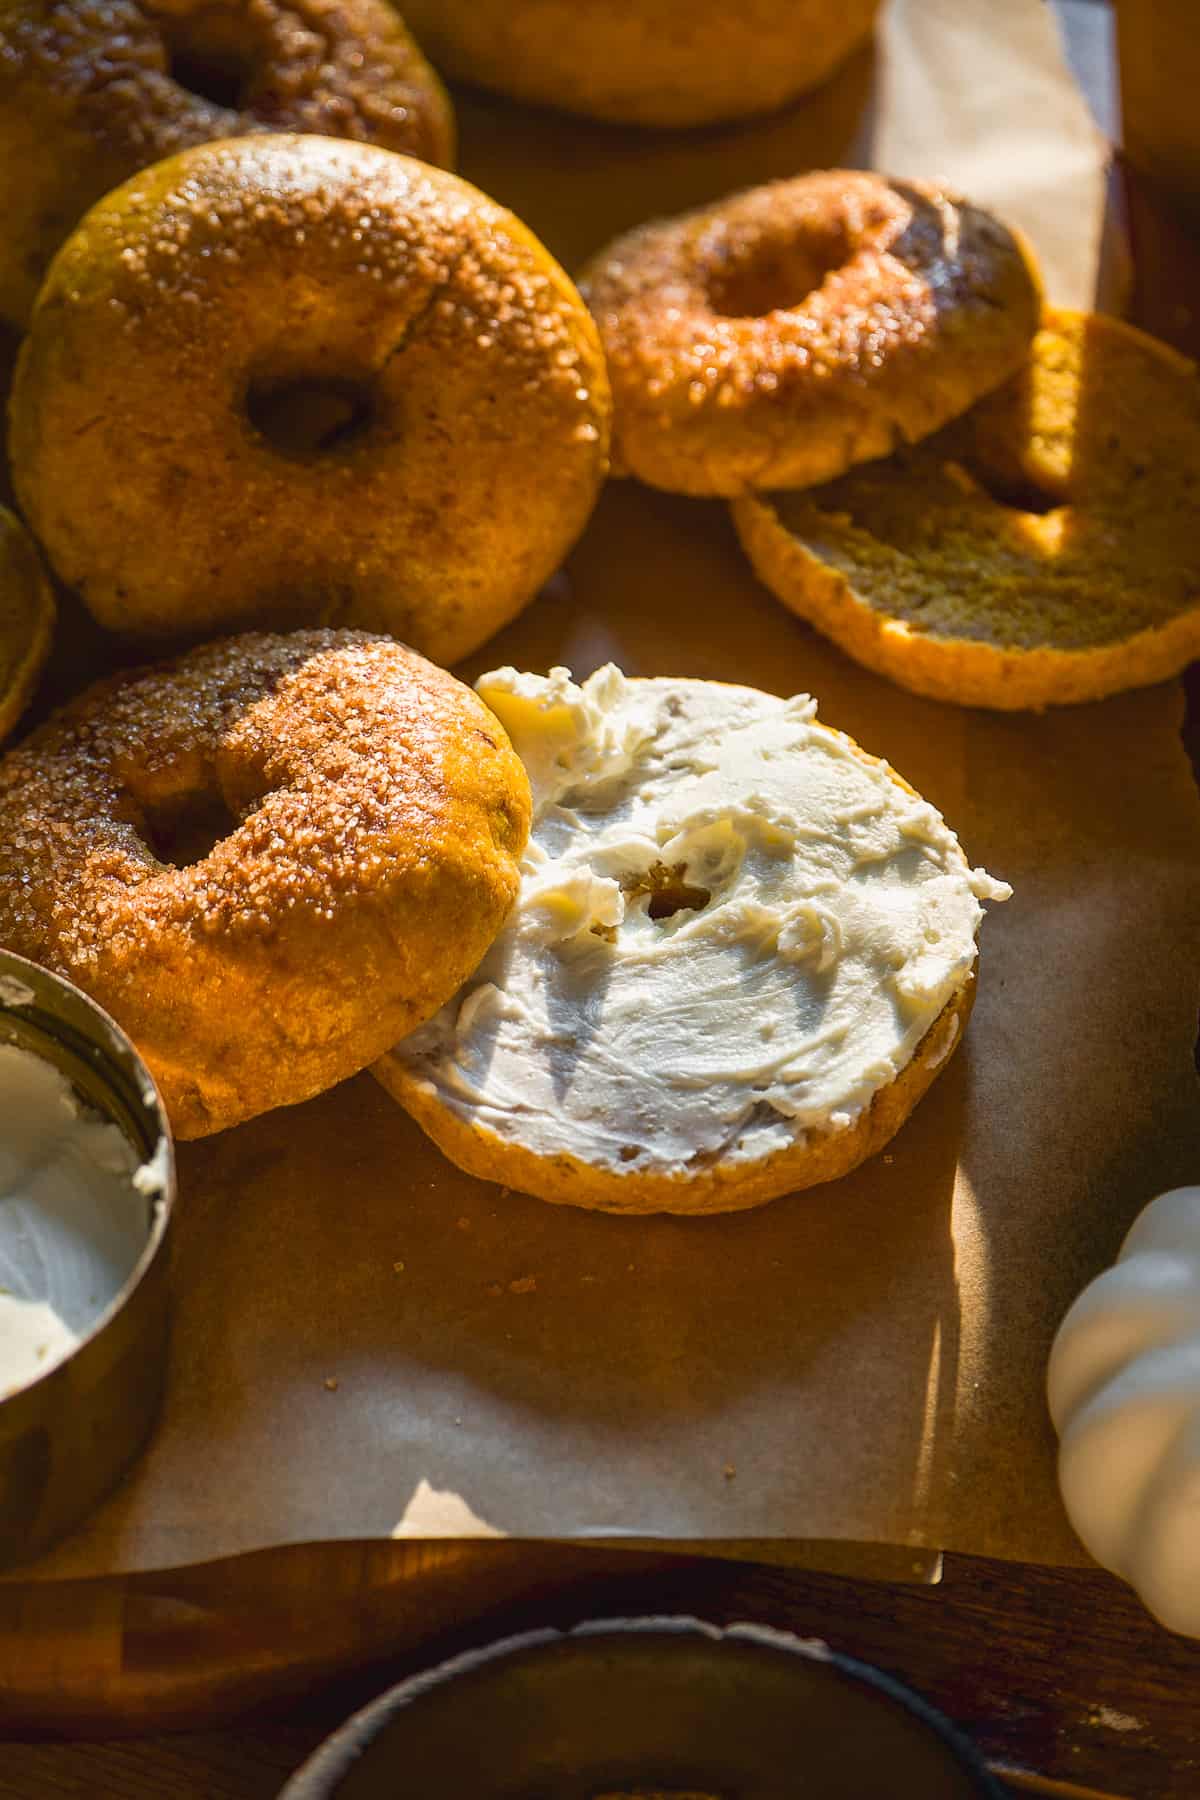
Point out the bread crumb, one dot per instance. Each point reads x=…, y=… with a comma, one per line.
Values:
x=1111, y=1719
x=527, y=1284
x=331, y=1383
x=463, y=1224
x=398, y=1267
x=729, y=1471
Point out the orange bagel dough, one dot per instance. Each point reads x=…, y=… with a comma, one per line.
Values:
x=644, y=62
x=93, y=90
x=373, y=816
x=467, y=428
x=796, y=329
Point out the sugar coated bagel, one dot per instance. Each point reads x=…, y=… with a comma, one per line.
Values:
x=644, y=62
x=742, y=950
x=266, y=860
x=26, y=619
x=93, y=90
x=1042, y=550
x=450, y=404
x=799, y=328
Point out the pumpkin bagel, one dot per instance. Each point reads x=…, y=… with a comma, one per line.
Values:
x=266, y=860
x=93, y=90
x=781, y=336
x=341, y=387
x=1038, y=552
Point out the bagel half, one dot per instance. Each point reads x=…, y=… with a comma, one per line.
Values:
x=742, y=951
x=1041, y=551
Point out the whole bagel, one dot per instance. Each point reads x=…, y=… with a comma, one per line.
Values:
x=93, y=90
x=644, y=62
x=368, y=814
x=777, y=338
x=339, y=387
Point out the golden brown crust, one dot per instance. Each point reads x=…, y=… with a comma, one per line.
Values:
x=373, y=817
x=93, y=90
x=721, y=1186
x=27, y=614
x=1040, y=551
x=644, y=62
x=799, y=328
x=243, y=269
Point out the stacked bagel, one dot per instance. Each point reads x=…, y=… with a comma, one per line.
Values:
x=987, y=500
x=635, y=945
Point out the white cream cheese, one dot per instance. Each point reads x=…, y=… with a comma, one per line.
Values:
x=75, y=1214
x=733, y=927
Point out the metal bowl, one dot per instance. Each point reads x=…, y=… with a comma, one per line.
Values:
x=67, y=1437
x=660, y=1709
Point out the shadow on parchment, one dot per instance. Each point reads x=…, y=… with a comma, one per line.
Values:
x=1088, y=1000
x=560, y=1369
x=577, y=183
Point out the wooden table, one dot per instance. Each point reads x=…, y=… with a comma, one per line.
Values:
x=1058, y=1671
x=1055, y=1671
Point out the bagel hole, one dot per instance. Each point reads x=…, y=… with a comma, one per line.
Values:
x=208, y=61
x=310, y=417
x=669, y=890
x=775, y=280
x=184, y=830
x=677, y=898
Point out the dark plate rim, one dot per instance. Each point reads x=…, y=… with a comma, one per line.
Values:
x=314, y=1779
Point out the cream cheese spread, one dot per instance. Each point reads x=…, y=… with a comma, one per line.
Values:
x=733, y=928
x=75, y=1215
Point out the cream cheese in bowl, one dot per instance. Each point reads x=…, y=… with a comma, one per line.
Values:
x=75, y=1207
x=86, y=1193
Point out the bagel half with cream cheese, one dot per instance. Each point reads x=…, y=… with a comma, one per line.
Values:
x=742, y=951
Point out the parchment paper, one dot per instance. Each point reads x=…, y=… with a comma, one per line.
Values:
x=368, y=1342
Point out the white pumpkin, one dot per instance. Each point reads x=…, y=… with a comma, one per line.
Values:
x=1124, y=1392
